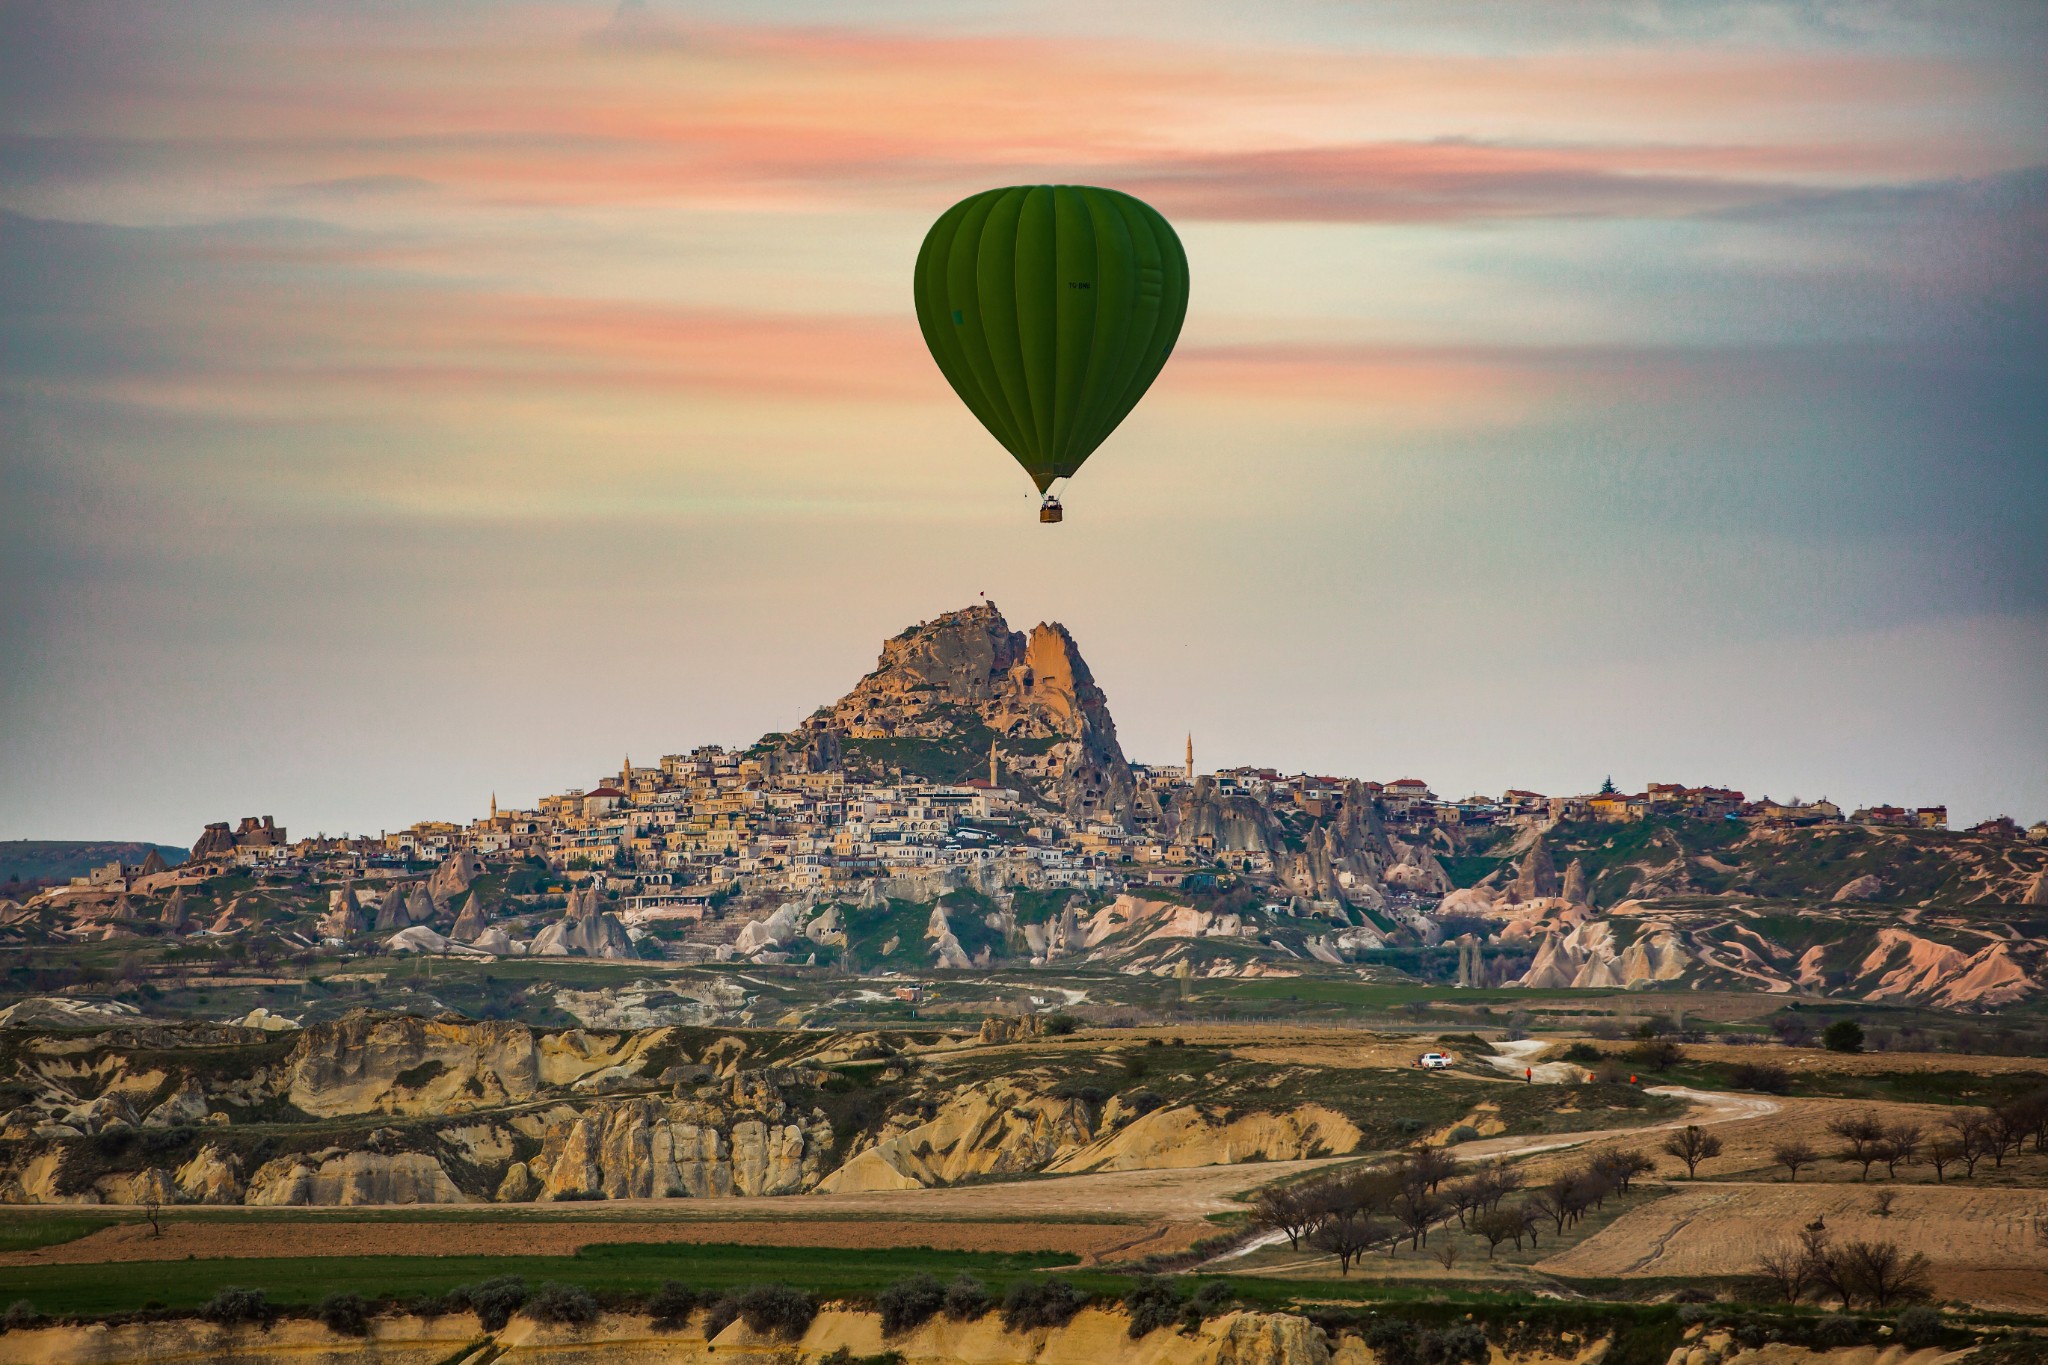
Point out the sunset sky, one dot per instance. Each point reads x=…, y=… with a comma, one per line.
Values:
x=405, y=402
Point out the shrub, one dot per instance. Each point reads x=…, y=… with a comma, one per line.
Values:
x=1041, y=1303
x=723, y=1313
x=910, y=1303
x=1152, y=1305
x=233, y=1305
x=1585, y=1054
x=1060, y=1025
x=20, y=1314
x=1464, y=1132
x=1656, y=1054
x=1460, y=1343
x=1692, y=1313
x=344, y=1314
x=1213, y=1297
x=1844, y=1035
x=1142, y=1102
x=1764, y=1077
x=670, y=1305
x=776, y=1310
x=494, y=1301
x=563, y=1304
x=1921, y=1326
x=967, y=1299
x=1837, y=1329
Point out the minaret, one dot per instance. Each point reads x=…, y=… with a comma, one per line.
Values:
x=1191, y=756
x=993, y=780
x=494, y=805
x=626, y=774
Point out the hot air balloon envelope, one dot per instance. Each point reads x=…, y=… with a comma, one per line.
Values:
x=1050, y=310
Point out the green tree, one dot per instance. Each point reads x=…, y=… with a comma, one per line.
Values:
x=1844, y=1035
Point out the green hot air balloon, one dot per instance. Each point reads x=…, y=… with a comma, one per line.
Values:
x=1050, y=310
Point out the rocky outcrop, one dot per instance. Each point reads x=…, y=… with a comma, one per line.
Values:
x=1200, y=817
x=402, y=1064
x=453, y=876
x=1537, y=878
x=1343, y=855
x=585, y=930
x=1864, y=888
x=472, y=922
x=214, y=1176
x=1095, y=1336
x=968, y=669
x=346, y=917
x=391, y=912
x=217, y=840
x=335, y=1177
x=649, y=1149
x=1904, y=966
x=1190, y=1135
x=1576, y=888
x=997, y=1128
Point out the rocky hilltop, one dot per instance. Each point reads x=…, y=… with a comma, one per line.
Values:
x=967, y=682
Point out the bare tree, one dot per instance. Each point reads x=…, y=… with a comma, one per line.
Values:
x=1693, y=1145
x=1431, y=1165
x=1881, y=1203
x=1462, y=1197
x=1621, y=1168
x=1862, y=1132
x=1941, y=1154
x=1497, y=1225
x=1882, y=1274
x=1416, y=1208
x=1292, y=1210
x=1346, y=1234
x=1794, y=1155
x=1901, y=1144
x=1973, y=1139
x=152, y=1209
x=1783, y=1274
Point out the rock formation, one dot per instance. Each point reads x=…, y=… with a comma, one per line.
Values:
x=453, y=876
x=419, y=906
x=2037, y=890
x=216, y=840
x=345, y=914
x=1538, y=876
x=585, y=930
x=176, y=916
x=1576, y=888
x=391, y=912
x=471, y=923
x=967, y=671
x=1864, y=888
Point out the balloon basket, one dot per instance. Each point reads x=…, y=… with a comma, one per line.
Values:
x=1051, y=511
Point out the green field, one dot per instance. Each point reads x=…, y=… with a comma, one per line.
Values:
x=628, y=1268
x=634, y=1267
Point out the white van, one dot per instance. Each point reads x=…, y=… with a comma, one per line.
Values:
x=1433, y=1061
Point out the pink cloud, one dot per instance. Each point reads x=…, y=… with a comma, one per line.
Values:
x=525, y=111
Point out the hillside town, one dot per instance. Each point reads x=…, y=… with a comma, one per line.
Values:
x=969, y=798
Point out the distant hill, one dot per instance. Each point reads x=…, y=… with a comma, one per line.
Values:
x=59, y=860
